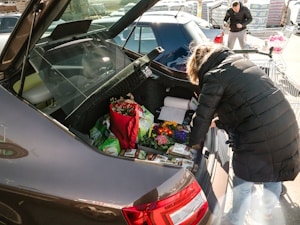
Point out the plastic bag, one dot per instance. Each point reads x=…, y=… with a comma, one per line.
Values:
x=99, y=132
x=111, y=146
x=145, y=122
x=277, y=42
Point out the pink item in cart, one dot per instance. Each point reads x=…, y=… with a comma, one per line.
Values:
x=277, y=42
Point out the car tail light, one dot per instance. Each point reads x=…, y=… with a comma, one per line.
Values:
x=219, y=38
x=185, y=207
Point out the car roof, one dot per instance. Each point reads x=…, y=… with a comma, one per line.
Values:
x=10, y=15
x=164, y=19
x=200, y=21
x=148, y=17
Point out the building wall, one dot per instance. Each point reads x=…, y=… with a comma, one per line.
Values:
x=266, y=13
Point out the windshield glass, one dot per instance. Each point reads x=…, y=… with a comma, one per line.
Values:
x=93, y=10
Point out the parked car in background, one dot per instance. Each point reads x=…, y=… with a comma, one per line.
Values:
x=174, y=35
x=7, y=24
x=191, y=6
x=175, y=31
x=59, y=161
x=294, y=8
x=213, y=32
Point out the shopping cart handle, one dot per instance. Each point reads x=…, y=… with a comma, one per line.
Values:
x=271, y=51
x=254, y=50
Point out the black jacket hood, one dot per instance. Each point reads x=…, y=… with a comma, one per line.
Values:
x=213, y=61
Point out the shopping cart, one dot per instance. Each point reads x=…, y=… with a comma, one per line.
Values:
x=267, y=64
x=279, y=41
x=273, y=69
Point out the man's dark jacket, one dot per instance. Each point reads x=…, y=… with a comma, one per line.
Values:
x=262, y=127
x=243, y=17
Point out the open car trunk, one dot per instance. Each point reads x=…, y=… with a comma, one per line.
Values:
x=79, y=74
x=85, y=76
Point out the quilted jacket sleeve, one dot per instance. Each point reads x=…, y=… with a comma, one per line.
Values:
x=209, y=99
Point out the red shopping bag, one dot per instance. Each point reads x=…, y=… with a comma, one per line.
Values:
x=124, y=122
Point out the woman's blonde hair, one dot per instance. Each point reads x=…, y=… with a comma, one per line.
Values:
x=200, y=54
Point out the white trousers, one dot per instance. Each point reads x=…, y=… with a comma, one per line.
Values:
x=241, y=36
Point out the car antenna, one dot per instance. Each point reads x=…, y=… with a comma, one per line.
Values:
x=130, y=33
x=179, y=10
x=36, y=9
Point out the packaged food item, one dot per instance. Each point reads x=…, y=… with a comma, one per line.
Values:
x=161, y=158
x=188, y=164
x=134, y=153
x=185, y=163
x=151, y=156
x=142, y=154
x=130, y=153
x=180, y=150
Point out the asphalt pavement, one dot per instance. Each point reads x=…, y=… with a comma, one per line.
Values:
x=287, y=211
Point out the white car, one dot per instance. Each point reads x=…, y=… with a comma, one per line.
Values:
x=7, y=24
x=294, y=8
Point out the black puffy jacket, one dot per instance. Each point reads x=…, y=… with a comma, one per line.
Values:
x=261, y=125
x=243, y=17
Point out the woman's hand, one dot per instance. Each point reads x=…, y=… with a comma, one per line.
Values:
x=196, y=147
x=213, y=122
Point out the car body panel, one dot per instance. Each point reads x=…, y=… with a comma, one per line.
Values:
x=3, y=39
x=44, y=144
x=90, y=183
x=208, y=29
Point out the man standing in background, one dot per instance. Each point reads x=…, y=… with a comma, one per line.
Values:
x=237, y=18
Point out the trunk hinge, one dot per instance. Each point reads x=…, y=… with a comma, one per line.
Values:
x=37, y=8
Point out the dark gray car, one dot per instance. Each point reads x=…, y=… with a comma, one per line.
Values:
x=55, y=86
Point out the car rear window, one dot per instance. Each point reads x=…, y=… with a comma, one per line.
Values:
x=141, y=40
x=196, y=33
x=73, y=71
